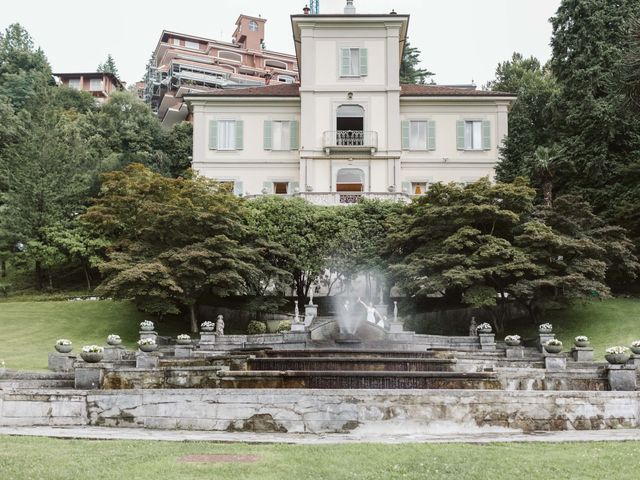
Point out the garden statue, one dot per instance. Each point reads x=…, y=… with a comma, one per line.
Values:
x=395, y=311
x=296, y=315
x=312, y=289
x=371, y=313
x=473, y=328
x=220, y=325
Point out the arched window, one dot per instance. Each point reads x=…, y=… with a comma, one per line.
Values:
x=230, y=56
x=349, y=125
x=350, y=180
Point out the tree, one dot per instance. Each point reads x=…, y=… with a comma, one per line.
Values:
x=409, y=71
x=109, y=66
x=171, y=241
x=530, y=117
x=178, y=149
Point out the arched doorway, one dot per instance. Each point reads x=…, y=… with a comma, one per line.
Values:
x=349, y=125
x=350, y=180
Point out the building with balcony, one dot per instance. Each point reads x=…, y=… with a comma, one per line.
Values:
x=99, y=84
x=182, y=64
x=349, y=129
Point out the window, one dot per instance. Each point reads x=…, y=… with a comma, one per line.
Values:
x=190, y=44
x=236, y=57
x=95, y=84
x=226, y=135
x=353, y=62
x=275, y=64
x=74, y=83
x=176, y=41
x=285, y=79
x=472, y=135
x=419, y=135
x=418, y=138
x=350, y=180
x=281, y=135
x=253, y=26
x=280, y=188
x=418, y=188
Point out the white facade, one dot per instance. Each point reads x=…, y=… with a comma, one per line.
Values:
x=349, y=129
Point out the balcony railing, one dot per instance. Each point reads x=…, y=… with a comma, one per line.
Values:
x=350, y=140
x=346, y=198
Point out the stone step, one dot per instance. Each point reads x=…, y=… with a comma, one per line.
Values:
x=15, y=384
x=357, y=363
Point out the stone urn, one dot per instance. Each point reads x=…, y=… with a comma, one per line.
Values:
x=635, y=349
x=581, y=343
x=92, y=357
x=147, y=326
x=207, y=328
x=544, y=329
x=114, y=342
x=183, y=341
x=148, y=348
x=484, y=328
x=511, y=342
x=553, y=348
x=63, y=348
x=617, y=358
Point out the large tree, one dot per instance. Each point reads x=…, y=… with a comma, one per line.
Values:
x=410, y=72
x=172, y=241
x=109, y=66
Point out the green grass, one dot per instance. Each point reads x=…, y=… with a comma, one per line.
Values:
x=29, y=329
x=43, y=458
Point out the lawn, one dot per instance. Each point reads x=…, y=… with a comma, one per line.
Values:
x=44, y=458
x=29, y=329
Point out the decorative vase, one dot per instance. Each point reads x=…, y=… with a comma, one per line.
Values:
x=147, y=328
x=581, y=343
x=512, y=343
x=91, y=357
x=635, y=350
x=182, y=341
x=553, y=348
x=545, y=330
x=114, y=343
x=484, y=330
x=63, y=348
x=617, y=358
x=148, y=348
x=207, y=329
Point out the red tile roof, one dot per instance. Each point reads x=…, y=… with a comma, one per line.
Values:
x=293, y=90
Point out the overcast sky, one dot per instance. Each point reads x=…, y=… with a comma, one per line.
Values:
x=460, y=40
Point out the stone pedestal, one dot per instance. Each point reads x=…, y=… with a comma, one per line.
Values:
x=582, y=354
x=555, y=361
x=514, y=353
x=310, y=312
x=147, y=360
x=298, y=327
x=207, y=341
x=622, y=378
x=152, y=335
x=487, y=341
x=61, y=362
x=114, y=353
x=383, y=310
x=183, y=351
x=89, y=376
x=396, y=327
x=543, y=338
x=634, y=360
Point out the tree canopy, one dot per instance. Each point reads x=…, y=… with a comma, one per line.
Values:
x=410, y=73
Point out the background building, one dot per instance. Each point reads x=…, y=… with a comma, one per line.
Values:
x=98, y=84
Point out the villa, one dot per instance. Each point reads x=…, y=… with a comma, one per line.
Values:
x=349, y=129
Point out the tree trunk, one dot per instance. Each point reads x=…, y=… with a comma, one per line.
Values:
x=3, y=268
x=193, y=318
x=547, y=189
x=39, y=275
x=87, y=278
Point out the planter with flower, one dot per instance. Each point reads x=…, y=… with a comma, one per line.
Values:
x=147, y=345
x=617, y=355
x=545, y=328
x=114, y=340
x=553, y=346
x=207, y=326
x=146, y=326
x=512, y=340
x=92, y=353
x=63, y=345
x=183, y=339
x=635, y=347
x=581, y=341
x=484, y=328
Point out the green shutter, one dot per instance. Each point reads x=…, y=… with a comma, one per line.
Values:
x=364, y=62
x=239, y=135
x=406, y=187
x=431, y=135
x=406, y=132
x=294, y=131
x=238, y=188
x=267, y=187
x=486, y=135
x=267, y=135
x=460, y=134
x=345, y=62
x=294, y=187
x=213, y=135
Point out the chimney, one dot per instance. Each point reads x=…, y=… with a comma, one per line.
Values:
x=306, y=10
x=349, y=9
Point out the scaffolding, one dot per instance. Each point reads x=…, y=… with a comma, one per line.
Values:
x=314, y=5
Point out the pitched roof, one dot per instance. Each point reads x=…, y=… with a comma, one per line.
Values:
x=293, y=90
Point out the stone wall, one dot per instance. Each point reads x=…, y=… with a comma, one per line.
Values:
x=323, y=411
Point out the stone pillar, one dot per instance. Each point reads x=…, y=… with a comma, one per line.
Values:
x=487, y=341
x=147, y=360
x=298, y=327
x=514, y=353
x=114, y=353
x=152, y=335
x=622, y=378
x=396, y=327
x=183, y=351
x=207, y=341
x=634, y=360
x=582, y=354
x=543, y=338
x=555, y=361
x=310, y=313
x=62, y=362
x=88, y=376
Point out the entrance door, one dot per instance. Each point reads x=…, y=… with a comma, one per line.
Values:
x=350, y=180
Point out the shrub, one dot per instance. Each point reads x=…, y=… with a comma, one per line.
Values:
x=256, y=328
x=284, y=326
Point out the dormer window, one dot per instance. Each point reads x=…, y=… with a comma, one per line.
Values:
x=353, y=62
x=253, y=26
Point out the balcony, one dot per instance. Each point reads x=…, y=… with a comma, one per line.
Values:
x=350, y=141
x=346, y=198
